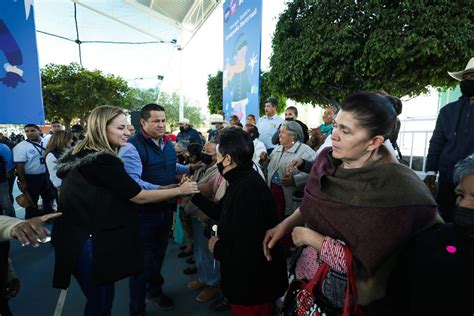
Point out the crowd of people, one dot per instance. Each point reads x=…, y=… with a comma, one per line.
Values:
x=252, y=200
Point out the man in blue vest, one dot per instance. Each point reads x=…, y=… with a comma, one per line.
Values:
x=158, y=158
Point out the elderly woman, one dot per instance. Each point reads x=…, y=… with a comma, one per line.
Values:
x=287, y=187
x=358, y=196
x=444, y=256
x=245, y=212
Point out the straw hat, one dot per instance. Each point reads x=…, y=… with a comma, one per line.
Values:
x=184, y=121
x=217, y=119
x=458, y=74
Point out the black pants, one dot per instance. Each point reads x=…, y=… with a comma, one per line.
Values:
x=4, y=249
x=38, y=185
x=446, y=199
x=11, y=183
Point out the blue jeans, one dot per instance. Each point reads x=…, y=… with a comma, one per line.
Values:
x=99, y=298
x=154, y=227
x=6, y=206
x=207, y=271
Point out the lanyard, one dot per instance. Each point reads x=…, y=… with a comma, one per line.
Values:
x=40, y=146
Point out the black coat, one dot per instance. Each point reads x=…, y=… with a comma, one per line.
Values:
x=90, y=209
x=244, y=214
x=453, y=138
x=444, y=273
x=434, y=276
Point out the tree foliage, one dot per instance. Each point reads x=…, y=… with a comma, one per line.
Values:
x=70, y=92
x=267, y=90
x=215, y=93
x=171, y=104
x=142, y=97
x=325, y=50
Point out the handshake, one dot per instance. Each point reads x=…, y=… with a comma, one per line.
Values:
x=187, y=186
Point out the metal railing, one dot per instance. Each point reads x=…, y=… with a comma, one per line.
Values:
x=410, y=145
x=413, y=140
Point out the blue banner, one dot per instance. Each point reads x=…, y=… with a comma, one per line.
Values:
x=242, y=42
x=21, y=101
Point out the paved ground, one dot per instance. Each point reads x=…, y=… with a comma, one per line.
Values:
x=34, y=268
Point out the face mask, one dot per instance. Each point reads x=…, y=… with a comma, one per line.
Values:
x=181, y=159
x=220, y=167
x=289, y=119
x=213, y=128
x=467, y=88
x=464, y=219
x=206, y=158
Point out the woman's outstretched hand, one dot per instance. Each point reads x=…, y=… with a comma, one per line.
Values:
x=272, y=236
x=188, y=187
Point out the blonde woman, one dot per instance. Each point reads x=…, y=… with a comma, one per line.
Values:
x=97, y=238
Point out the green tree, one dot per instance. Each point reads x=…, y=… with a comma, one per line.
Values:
x=171, y=104
x=326, y=50
x=215, y=93
x=70, y=91
x=266, y=91
x=142, y=97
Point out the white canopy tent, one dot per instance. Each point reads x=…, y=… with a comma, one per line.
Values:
x=85, y=28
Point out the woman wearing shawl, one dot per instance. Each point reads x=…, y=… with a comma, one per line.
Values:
x=358, y=196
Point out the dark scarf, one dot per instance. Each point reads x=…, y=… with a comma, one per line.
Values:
x=374, y=209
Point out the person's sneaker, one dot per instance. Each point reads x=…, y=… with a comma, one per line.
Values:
x=190, y=270
x=196, y=284
x=207, y=293
x=163, y=302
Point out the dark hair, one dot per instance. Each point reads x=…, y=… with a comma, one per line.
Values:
x=252, y=130
x=77, y=128
x=55, y=122
x=397, y=104
x=252, y=116
x=238, y=145
x=294, y=109
x=375, y=113
x=145, y=112
x=273, y=101
x=234, y=118
x=32, y=125
x=194, y=149
x=238, y=124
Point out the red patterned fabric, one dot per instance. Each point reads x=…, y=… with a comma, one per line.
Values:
x=332, y=252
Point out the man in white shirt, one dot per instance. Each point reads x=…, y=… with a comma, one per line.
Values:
x=55, y=126
x=31, y=171
x=269, y=123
